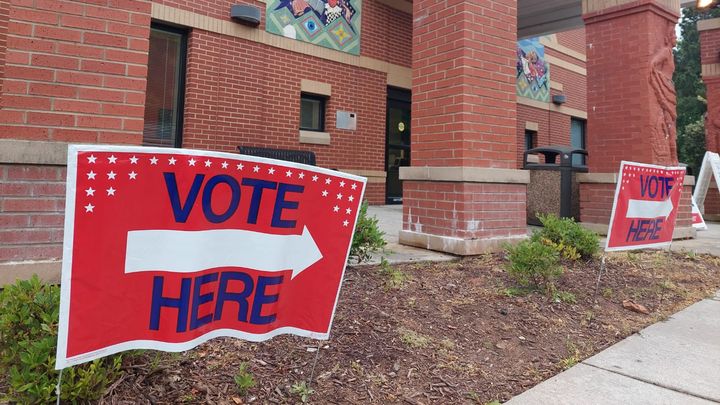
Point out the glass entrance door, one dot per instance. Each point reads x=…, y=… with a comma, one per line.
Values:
x=397, y=145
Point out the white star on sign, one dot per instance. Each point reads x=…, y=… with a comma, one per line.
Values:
x=172, y=161
x=91, y=175
x=315, y=178
x=224, y=165
x=288, y=173
x=91, y=159
x=90, y=191
x=301, y=175
x=208, y=163
x=354, y=186
x=111, y=175
x=351, y=198
x=336, y=209
x=192, y=161
x=328, y=181
x=112, y=159
x=339, y=196
x=348, y=211
x=342, y=184
x=324, y=193
x=271, y=170
x=256, y=168
x=89, y=208
x=133, y=160
x=132, y=175
x=346, y=223
x=153, y=160
x=111, y=191
x=240, y=166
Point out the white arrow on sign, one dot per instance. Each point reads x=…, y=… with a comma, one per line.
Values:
x=649, y=209
x=191, y=251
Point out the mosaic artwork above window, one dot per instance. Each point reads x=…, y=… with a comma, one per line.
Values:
x=333, y=24
x=533, y=73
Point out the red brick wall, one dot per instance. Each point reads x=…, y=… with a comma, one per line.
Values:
x=244, y=93
x=464, y=210
x=712, y=203
x=386, y=32
x=624, y=119
x=573, y=39
x=464, y=111
x=4, y=16
x=32, y=202
x=76, y=71
x=709, y=45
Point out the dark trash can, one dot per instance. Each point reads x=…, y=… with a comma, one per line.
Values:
x=553, y=188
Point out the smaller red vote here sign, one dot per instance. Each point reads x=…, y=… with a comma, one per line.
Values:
x=646, y=204
x=167, y=248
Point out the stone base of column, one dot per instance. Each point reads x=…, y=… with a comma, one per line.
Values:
x=463, y=210
x=455, y=246
x=597, y=192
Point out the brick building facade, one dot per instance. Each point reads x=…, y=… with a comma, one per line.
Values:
x=87, y=72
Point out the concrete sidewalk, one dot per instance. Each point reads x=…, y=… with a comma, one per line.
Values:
x=671, y=362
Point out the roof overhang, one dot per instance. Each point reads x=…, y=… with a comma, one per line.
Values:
x=541, y=17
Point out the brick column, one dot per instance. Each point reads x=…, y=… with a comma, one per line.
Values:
x=631, y=98
x=710, y=58
x=72, y=71
x=462, y=193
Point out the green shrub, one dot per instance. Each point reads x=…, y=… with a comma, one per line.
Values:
x=533, y=263
x=244, y=379
x=28, y=340
x=368, y=238
x=568, y=237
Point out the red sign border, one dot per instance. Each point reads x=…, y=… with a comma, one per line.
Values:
x=62, y=361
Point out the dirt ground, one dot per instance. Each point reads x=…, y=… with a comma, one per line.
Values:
x=447, y=333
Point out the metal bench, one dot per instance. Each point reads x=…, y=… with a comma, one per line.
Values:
x=297, y=156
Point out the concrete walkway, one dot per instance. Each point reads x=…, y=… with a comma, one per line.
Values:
x=671, y=362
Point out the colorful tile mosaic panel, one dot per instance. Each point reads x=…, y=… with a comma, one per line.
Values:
x=533, y=73
x=330, y=23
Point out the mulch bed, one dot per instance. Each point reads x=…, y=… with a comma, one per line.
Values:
x=451, y=333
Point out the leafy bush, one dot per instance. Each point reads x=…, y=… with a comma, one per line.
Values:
x=568, y=237
x=28, y=340
x=368, y=238
x=533, y=263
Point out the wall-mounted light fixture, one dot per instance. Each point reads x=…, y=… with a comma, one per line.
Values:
x=705, y=4
x=559, y=99
x=245, y=14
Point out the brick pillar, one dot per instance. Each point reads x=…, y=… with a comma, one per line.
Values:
x=76, y=71
x=710, y=59
x=73, y=71
x=631, y=98
x=462, y=193
x=4, y=16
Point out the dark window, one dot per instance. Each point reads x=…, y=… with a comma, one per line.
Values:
x=577, y=139
x=165, y=87
x=312, y=112
x=530, y=137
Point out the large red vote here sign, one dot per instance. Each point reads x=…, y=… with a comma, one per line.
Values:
x=646, y=204
x=167, y=248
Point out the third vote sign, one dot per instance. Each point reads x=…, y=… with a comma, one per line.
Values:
x=646, y=204
x=167, y=248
